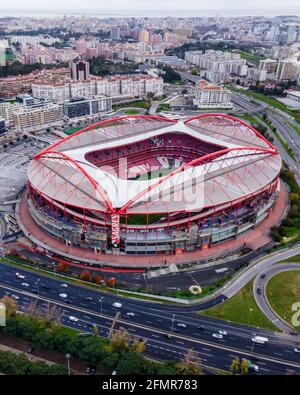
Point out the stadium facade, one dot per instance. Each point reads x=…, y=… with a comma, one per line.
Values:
x=150, y=185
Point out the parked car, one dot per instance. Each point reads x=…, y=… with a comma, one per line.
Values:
x=90, y=370
x=181, y=325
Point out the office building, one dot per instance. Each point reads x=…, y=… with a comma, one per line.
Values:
x=80, y=69
x=76, y=108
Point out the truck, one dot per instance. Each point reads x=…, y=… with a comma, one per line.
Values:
x=260, y=339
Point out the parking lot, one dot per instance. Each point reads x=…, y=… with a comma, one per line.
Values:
x=14, y=161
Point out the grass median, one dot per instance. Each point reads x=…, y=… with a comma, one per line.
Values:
x=242, y=309
x=283, y=290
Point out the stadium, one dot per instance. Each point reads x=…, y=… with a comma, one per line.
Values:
x=146, y=185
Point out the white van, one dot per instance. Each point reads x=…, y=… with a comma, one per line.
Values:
x=117, y=305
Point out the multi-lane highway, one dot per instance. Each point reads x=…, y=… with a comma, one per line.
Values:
x=153, y=322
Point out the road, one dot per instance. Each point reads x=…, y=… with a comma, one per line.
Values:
x=261, y=299
x=258, y=268
x=152, y=321
x=166, y=283
x=287, y=132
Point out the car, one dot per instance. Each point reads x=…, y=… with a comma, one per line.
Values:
x=34, y=291
x=181, y=325
x=297, y=349
x=263, y=276
x=25, y=285
x=16, y=297
x=64, y=296
x=90, y=370
x=168, y=336
x=64, y=285
x=222, y=332
x=72, y=318
x=89, y=299
x=200, y=327
x=69, y=301
x=30, y=350
x=258, y=291
x=129, y=314
x=217, y=335
x=46, y=287
x=20, y=276
x=117, y=305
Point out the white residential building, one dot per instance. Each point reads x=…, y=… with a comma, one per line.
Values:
x=129, y=85
x=258, y=75
x=211, y=96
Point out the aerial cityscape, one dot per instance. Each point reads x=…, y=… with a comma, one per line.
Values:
x=149, y=190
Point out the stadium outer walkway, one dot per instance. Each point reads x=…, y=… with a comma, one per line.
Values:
x=253, y=239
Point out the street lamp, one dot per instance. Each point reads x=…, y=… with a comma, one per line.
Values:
x=145, y=278
x=37, y=285
x=253, y=342
x=68, y=356
x=172, y=326
x=100, y=301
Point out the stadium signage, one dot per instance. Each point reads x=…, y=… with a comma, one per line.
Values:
x=115, y=230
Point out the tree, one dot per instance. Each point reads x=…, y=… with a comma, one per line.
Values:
x=119, y=341
x=52, y=315
x=139, y=346
x=244, y=367
x=85, y=275
x=235, y=365
x=62, y=267
x=97, y=279
x=10, y=305
x=294, y=197
x=130, y=363
x=111, y=282
x=95, y=330
x=190, y=364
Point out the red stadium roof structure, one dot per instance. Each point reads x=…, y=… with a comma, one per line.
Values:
x=80, y=172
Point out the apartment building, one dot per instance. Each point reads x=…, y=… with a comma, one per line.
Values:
x=211, y=96
x=7, y=110
x=38, y=117
x=218, y=61
x=130, y=85
x=286, y=70
x=256, y=74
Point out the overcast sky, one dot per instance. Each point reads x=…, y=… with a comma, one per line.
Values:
x=89, y=5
